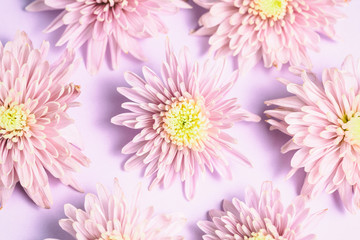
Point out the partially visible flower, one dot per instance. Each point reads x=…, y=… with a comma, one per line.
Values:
x=275, y=31
x=182, y=118
x=111, y=217
x=323, y=120
x=116, y=24
x=260, y=217
x=34, y=98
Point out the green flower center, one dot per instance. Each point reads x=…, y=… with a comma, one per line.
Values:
x=269, y=9
x=186, y=123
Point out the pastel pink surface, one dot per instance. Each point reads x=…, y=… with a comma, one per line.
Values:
x=102, y=141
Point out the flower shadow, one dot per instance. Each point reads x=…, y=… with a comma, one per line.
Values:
x=281, y=162
x=25, y=3
x=111, y=98
x=51, y=222
x=196, y=12
x=50, y=217
x=338, y=202
x=196, y=232
x=192, y=21
x=273, y=139
x=4, y=40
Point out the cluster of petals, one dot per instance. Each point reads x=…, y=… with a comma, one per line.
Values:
x=110, y=216
x=116, y=24
x=323, y=119
x=34, y=98
x=274, y=31
x=261, y=217
x=182, y=117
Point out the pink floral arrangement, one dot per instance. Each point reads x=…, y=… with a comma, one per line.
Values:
x=176, y=120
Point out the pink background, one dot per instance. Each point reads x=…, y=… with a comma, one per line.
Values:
x=102, y=141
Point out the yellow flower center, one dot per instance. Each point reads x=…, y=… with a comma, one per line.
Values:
x=352, y=130
x=259, y=236
x=13, y=118
x=113, y=236
x=14, y=121
x=272, y=9
x=186, y=123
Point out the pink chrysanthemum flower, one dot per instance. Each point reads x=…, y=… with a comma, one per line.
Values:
x=323, y=119
x=34, y=97
x=111, y=217
x=276, y=31
x=182, y=117
x=118, y=24
x=260, y=217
